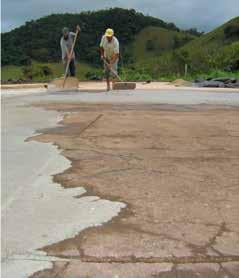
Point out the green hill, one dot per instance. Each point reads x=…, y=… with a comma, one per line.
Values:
x=155, y=41
x=217, y=50
x=224, y=35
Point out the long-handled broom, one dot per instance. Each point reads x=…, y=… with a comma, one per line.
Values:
x=120, y=85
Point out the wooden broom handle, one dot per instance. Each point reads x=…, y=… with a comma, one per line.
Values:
x=114, y=72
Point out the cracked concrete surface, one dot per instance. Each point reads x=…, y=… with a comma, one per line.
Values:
x=174, y=166
x=176, y=169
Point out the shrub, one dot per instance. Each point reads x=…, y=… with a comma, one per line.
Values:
x=34, y=71
x=231, y=31
x=150, y=45
x=94, y=75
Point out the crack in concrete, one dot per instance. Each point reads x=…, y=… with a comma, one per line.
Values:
x=229, y=275
x=212, y=241
x=121, y=170
x=132, y=259
x=89, y=125
x=165, y=236
x=150, y=260
x=111, y=172
x=62, y=270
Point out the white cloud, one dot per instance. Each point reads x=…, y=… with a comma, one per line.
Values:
x=203, y=14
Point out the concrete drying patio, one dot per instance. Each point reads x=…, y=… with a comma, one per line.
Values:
x=145, y=184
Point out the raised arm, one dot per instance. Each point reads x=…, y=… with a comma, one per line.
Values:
x=78, y=29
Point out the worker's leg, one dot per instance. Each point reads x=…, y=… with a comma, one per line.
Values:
x=115, y=69
x=107, y=76
x=108, y=83
x=72, y=68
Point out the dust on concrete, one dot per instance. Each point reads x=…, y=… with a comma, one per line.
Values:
x=176, y=170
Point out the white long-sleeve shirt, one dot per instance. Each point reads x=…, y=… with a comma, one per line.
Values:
x=66, y=45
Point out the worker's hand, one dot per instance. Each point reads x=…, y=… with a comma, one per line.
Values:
x=111, y=62
x=78, y=28
x=102, y=57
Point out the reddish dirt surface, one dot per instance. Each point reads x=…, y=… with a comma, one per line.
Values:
x=176, y=168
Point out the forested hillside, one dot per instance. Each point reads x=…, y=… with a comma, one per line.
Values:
x=39, y=39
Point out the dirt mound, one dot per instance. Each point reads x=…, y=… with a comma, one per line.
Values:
x=181, y=83
x=71, y=82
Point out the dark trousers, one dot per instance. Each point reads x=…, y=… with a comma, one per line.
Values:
x=72, y=68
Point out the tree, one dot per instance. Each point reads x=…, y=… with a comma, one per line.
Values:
x=231, y=31
x=194, y=32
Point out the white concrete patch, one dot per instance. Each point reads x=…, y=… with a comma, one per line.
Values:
x=21, y=92
x=35, y=211
x=174, y=97
x=23, y=268
x=29, y=263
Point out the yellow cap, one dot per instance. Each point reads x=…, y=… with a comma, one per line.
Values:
x=109, y=32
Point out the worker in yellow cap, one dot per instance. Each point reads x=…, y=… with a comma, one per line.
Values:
x=109, y=51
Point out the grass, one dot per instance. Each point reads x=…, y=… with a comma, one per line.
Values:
x=128, y=74
x=211, y=74
x=81, y=70
x=11, y=72
x=16, y=72
x=219, y=73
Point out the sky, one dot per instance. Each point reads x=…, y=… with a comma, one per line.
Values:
x=204, y=15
